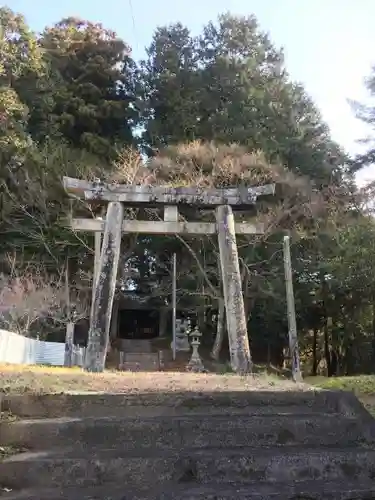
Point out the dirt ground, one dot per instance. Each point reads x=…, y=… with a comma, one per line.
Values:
x=40, y=379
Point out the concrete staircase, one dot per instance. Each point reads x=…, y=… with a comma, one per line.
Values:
x=190, y=446
x=140, y=361
x=136, y=345
x=137, y=356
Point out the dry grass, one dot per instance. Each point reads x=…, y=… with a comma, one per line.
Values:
x=42, y=379
x=18, y=379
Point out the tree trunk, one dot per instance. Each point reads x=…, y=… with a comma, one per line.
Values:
x=314, y=353
x=334, y=363
x=327, y=353
x=202, y=313
x=69, y=343
x=220, y=331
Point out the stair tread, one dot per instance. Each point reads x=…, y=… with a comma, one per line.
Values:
x=175, y=432
x=142, y=354
x=144, y=410
x=168, y=402
x=67, y=454
x=258, y=489
x=116, y=419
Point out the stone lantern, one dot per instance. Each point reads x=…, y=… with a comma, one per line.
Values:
x=195, y=364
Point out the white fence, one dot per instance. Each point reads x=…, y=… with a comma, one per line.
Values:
x=17, y=349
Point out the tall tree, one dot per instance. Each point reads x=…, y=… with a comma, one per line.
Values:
x=230, y=85
x=24, y=70
x=366, y=113
x=20, y=60
x=33, y=154
x=170, y=87
x=94, y=94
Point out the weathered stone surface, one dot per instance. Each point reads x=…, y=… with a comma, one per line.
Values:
x=182, y=336
x=234, y=304
x=220, y=331
x=170, y=403
x=308, y=490
x=163, y=227
x=183, y=431
x=143, y=468
x=249, y=445
x=104, y=290
x=151, y=195
x=183, y=403
x=291, y=308
x=132, y=361
x=135, y=345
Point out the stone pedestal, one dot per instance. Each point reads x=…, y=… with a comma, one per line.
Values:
x=195, y=364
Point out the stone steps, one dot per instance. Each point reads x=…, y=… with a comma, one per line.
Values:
x=254, y=445
x=173, y=403
x=137, y=356
x=136, y=345
x=139, y=361
x=175, y=432
x=159, y=468
x=140, y=366
x=307, y=490
x=132, y=357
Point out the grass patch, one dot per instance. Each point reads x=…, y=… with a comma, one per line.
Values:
x=361, y=384
x=363, y=387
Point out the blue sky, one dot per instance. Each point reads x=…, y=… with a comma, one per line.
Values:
x=329, y=44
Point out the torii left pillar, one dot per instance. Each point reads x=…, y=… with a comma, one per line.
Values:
x=104, y=289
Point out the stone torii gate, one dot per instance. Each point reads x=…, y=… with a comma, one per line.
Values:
x=116, y=197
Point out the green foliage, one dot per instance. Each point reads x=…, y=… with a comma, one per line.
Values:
x=364, y=384
x=230, y=85
x=366, y=113
x=93, y=86
x=14, y=139
x=363, y=387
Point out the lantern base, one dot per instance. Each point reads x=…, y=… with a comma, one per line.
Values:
x=195, y=365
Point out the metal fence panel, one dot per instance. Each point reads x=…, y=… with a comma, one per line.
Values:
x=17, y=349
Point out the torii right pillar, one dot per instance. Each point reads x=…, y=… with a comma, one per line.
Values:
x=234, y=304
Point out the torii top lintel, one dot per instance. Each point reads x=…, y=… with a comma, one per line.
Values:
x=153, y=196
